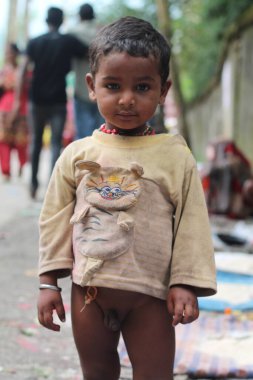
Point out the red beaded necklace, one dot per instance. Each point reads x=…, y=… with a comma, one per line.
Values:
x=147, y=131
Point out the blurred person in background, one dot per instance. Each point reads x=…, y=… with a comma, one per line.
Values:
x=224, y=177
x=86, y=114
x=51, y=55
x=13, y=130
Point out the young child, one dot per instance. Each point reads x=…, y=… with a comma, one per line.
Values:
x=125, y=215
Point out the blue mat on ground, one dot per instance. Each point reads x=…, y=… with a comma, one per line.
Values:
x=214, y=346
x=236, y=278
x=220, y=302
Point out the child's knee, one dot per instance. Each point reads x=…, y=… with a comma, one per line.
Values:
x=102, y=368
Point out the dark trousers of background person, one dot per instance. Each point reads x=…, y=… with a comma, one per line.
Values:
x=87, y=118
x=39, y=117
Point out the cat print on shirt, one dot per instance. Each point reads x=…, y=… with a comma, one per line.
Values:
x=103, y=226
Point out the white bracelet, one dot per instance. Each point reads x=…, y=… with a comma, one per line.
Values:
x=51, y=287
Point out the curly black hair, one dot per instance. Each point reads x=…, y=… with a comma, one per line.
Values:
x=135, y=36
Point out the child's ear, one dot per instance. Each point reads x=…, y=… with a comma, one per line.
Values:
x=91, y=86
x=164, y=91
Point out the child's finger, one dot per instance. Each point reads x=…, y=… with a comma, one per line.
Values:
x=49, y=322
x=188, y=314
x=60, y=311
x=191, y=312
x=170, y=306
x=178, y=314
x=41, y=318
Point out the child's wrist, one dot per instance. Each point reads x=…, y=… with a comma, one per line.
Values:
x=49, y=278
x=184, y=286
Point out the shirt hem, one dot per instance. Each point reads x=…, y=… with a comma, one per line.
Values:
x=126, y=285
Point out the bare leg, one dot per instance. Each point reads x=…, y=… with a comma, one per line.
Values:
x=150, y=341
x=146, y=328
x=96, y=345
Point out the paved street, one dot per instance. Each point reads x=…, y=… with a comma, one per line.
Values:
x=27, y=351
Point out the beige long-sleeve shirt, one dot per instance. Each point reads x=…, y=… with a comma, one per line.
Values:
x=128, y=213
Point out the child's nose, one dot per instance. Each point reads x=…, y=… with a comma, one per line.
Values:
x=127, y=99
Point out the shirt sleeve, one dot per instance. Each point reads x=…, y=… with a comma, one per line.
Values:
x=55, y=244
x=193, y=255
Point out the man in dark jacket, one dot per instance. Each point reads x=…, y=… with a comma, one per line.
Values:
x=51, y=55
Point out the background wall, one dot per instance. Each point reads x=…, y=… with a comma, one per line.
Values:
x=227, y=109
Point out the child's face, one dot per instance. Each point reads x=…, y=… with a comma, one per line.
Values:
x=127, y=90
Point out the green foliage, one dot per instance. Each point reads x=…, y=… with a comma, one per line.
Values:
x=227, y=11
x=145, y=9
x=198, y=33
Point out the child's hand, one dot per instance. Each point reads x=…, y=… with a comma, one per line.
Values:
x=182, y=304
x=48, y=301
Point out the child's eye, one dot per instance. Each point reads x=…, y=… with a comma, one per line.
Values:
x=112, y=86
x=142, y=87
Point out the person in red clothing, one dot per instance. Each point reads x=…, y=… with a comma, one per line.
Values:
x=13, y=131
x=224, y=179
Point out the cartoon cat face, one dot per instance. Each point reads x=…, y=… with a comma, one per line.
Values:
x=110, y=187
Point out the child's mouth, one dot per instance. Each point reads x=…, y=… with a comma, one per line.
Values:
x=126, y=115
